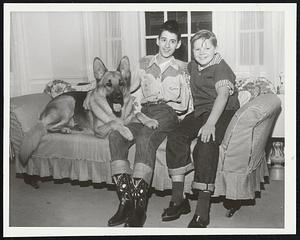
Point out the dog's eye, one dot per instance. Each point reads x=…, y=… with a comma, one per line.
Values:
x=109, y=84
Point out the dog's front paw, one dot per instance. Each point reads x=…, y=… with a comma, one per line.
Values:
x=125, y=132
x=66, y=130
x=86, y=102
x=151, y=123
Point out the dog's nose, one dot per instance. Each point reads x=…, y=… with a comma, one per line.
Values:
x=118, y=96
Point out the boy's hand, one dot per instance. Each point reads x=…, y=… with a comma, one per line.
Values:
x=206, y=131
x=145, y=120
x=151, y=123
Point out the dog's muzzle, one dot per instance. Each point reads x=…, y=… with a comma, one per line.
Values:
x=116, y=102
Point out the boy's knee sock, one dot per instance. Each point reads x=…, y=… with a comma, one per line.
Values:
x=177, y=192
x=203, y=205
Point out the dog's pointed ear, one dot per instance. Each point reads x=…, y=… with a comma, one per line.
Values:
x=98, y=68
x=124, y=69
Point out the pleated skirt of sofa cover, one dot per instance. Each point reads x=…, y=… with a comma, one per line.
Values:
x=84, y=157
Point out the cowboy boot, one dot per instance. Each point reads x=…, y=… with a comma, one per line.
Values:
x=123, y=182
x=138, y=216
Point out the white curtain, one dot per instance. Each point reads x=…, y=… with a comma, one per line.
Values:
x=108, y=35
x=132, y=23
x=274, y=46
x=111, y=35
x=18, y=64
x=252, y=42
x=225, y=28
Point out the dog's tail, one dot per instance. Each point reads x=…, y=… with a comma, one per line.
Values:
x=31, y=141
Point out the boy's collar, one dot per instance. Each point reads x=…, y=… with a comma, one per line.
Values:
x=216, y=60
x=172, y=62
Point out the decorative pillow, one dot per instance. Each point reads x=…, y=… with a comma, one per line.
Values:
x=255, y=86
x=57, y=87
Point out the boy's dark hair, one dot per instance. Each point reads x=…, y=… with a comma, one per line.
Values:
x=206, y=34
x=172, y=27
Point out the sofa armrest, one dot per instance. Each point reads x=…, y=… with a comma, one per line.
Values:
x=28, y=108
x=24, y=114
x=242, y=163
x=248, y=131
x=251, y=114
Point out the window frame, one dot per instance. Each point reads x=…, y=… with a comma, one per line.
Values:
x=187, y=35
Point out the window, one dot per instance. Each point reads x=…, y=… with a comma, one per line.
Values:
x=251, y=38
x=189, y=23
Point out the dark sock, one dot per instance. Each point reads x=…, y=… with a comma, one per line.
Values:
x=177, y=192
x=203, y=205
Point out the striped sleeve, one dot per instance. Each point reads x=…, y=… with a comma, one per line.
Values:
x=224, y=76
x=226, y=83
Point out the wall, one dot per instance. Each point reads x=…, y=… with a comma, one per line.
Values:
x=47, y=46
x=62, y=45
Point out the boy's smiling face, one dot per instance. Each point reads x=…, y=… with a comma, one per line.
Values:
x=167, y=43
x=203, y=51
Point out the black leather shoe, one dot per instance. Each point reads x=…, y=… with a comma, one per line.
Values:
x=232, y=206
x=231, y=211
x=197, y=222
x=174, y=211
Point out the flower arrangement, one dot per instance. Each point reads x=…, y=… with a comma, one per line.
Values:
x=57, y=87
x=255, y=86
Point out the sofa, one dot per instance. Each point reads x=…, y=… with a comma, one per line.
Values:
x=83, y=157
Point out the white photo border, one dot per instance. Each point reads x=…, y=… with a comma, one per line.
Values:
x=290, y=114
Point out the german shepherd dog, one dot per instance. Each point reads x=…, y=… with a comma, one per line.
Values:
x=108, y=107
